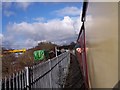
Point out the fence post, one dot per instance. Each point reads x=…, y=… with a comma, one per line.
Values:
x=28, y=77
x=69, y=58
x=50, y=73
x=56, y=51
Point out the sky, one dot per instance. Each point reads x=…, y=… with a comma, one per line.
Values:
x=25, y=24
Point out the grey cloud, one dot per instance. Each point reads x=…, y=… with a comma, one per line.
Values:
x=58, y=31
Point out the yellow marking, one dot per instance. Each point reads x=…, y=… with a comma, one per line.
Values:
x=16, y=51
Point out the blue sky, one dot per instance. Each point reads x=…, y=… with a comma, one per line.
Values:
x=25, y=23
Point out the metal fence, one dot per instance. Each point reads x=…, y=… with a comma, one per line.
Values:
x=17, y=80
x=49, y=74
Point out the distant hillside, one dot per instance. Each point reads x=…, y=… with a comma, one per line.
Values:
x=11, y=63
x=70, y=46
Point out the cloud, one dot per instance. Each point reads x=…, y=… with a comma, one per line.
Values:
x=8, y=13
x=1, y=38
x=6, y=9
x=29, y=34
x=39, y=19
x=73, y=11
x=23, y=5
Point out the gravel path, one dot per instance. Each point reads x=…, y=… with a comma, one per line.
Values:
x=74, y=78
